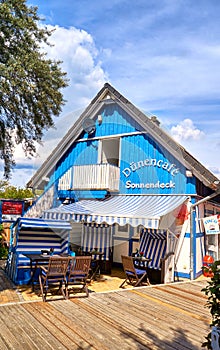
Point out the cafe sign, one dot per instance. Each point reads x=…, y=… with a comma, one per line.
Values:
x=211, y=225
x=149, y=163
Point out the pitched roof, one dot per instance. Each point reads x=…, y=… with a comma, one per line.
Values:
x=105, y=95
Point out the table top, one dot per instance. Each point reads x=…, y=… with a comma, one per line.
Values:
x=141, y=258
x=44, y=256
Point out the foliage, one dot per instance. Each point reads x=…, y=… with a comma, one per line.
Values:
x=11, y=192
x=3, y=248
x=30, y=84
x=3, y=252
x=3, y=184
x=212, y=290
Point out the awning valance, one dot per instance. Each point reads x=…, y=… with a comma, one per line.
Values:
x=122, y=210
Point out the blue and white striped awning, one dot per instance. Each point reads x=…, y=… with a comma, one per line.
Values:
x=122, y=209
x=32, y=223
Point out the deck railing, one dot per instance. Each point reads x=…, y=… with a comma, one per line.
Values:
x=91, y=177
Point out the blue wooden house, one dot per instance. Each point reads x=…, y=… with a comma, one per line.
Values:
x=125, y=184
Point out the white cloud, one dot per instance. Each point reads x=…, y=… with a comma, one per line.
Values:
x=80, y=59
x=186, y=130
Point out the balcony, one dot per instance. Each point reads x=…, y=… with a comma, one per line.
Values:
x=91, y=177
x=96, y=177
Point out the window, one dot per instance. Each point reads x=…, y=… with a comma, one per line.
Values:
x=109, y=151
x=123, y=228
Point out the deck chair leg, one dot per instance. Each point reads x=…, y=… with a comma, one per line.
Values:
x=42, y=289
x=45, y=293
x=85, y=288
x=141, y=279
x=64, y=292
x=60, y=288
x=123, y=283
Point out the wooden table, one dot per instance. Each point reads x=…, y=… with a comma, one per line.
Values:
x=38, y=259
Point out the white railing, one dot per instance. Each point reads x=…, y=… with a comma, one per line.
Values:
x=96, y=176
x=65, y=182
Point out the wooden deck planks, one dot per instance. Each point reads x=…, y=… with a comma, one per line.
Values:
x=172, y=317
x=58, y=331
x=26, y=331
x=35, y=333
x=100, y=326
x=130, y=324
x=76, y=322
x=169, y=317
x=142, y=313
x=168, y=296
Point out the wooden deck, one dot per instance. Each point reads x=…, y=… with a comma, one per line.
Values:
x=156, y=317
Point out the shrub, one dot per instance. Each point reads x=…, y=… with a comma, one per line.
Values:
x=3, y=252
x=212, y=290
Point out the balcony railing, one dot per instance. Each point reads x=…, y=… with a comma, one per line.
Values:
x=91, y=177
x=96, y=176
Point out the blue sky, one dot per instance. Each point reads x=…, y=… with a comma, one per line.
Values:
x=164, y=56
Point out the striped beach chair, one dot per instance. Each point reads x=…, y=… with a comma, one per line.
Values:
x=153, y=243
x=30, y=236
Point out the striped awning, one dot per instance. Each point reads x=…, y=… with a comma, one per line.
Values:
x=32, y=223
x=122, y=209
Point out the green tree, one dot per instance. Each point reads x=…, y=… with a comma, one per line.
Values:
x=8, y=191
x=30, y=83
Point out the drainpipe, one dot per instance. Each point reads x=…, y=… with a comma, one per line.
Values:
x=192, y=222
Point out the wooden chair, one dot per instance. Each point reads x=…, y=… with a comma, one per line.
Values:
x=134, y=276
x=77, y=276
x=52, y=277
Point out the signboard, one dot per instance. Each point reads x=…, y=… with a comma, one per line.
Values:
x=11, y=210
x=211, y=224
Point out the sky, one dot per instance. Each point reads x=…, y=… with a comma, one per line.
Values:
x=163, y=56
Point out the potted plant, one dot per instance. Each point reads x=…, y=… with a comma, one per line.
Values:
x=212, y=290
x=141, y=254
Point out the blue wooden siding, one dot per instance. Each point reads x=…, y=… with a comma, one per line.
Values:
x=81, y=153
x=114, y=121
x=134, y=148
